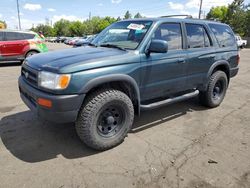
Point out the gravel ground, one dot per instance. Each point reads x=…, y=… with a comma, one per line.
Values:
x=182, y=145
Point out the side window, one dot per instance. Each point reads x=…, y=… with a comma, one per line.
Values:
x=11, y=36
x=197, y=36
x=223, y=34
x=170, y=32
x=1, y=36
x=27, y=36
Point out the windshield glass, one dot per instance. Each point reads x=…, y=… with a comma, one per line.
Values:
x=125, y=34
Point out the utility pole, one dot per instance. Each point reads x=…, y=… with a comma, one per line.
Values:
x=18, y=14
x=200, y=10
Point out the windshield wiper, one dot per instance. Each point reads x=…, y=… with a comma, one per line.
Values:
x=112, y=46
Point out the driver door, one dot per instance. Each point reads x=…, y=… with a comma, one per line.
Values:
x=164, y=74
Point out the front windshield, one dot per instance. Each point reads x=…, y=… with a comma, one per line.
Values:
x=125, y=34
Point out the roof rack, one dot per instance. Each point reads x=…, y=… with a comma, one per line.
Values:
x=178, y=15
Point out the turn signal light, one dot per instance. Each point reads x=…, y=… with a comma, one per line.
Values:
x=44, y=102
x=64, y=81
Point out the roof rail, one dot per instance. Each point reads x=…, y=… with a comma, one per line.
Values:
x=178, y=15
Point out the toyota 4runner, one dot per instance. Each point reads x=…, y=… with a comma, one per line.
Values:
x=132, y=65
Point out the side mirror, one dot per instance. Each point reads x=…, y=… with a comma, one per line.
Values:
x=157, y=46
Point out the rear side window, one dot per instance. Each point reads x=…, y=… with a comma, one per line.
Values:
x=170, y=32
x=27, y=36
x=11, y=36
x=1, y=36
x=223, y=34
x=197, y=36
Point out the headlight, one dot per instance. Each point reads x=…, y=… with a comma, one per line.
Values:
x=53, y=81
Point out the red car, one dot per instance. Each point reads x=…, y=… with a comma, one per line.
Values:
x=17, y=45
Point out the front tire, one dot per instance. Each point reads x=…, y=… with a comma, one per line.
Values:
x=31, y=53
x=216, y=90
x=105, y=119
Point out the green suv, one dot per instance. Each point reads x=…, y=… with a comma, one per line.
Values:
x=132, y=65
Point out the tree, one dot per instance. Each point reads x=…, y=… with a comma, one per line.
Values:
x=61, y=28
x=128, y=15
x=247, y=25
x=76, y=28
x=45, y=29
x=236, y=16
x=138, y=15
x=218, y=13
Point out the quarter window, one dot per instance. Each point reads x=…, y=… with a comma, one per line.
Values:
x=170, y=32
x=223, y=34
x=197, y=36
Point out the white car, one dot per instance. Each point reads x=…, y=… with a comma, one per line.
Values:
x=241, y=43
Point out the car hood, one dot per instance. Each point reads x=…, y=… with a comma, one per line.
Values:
x=76, y=59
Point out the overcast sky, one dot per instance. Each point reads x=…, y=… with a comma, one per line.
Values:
x=36, y=11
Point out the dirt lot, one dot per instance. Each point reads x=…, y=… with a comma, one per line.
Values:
x=182, y=145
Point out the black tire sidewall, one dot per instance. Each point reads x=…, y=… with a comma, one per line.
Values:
x=86, y=124
x=217, y=76
x=123, y=131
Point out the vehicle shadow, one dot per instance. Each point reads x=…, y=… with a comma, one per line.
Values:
x=32, y=140
x=10, y=64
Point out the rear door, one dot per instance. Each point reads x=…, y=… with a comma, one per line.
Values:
x=201, y=54
x=14, y=45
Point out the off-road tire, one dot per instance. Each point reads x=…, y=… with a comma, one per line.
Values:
x=208, y=98
x=86, y=124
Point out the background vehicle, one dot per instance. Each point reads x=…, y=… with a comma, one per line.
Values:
x=132, y=65
x=18, y=45
x=72, y=41
x=240, y=42
x=84, y=42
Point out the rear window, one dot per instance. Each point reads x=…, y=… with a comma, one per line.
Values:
x=197, y=36
x=223, y=34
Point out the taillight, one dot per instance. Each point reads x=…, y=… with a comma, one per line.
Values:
x=238, y=59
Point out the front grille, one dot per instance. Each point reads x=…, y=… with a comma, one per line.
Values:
x=30, y=75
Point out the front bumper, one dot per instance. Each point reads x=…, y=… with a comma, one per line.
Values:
x=64, y=108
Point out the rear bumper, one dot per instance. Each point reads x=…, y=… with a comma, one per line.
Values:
x=64, y=108
x=234, y=72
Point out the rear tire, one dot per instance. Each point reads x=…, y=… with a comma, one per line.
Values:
x=216, y=90
x=105, y=119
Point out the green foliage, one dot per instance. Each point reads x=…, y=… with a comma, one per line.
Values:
x=127, y=15
x=218, y=13
x=45, y=29
x=138, y=15
x=235, y=14
x=78, y=28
